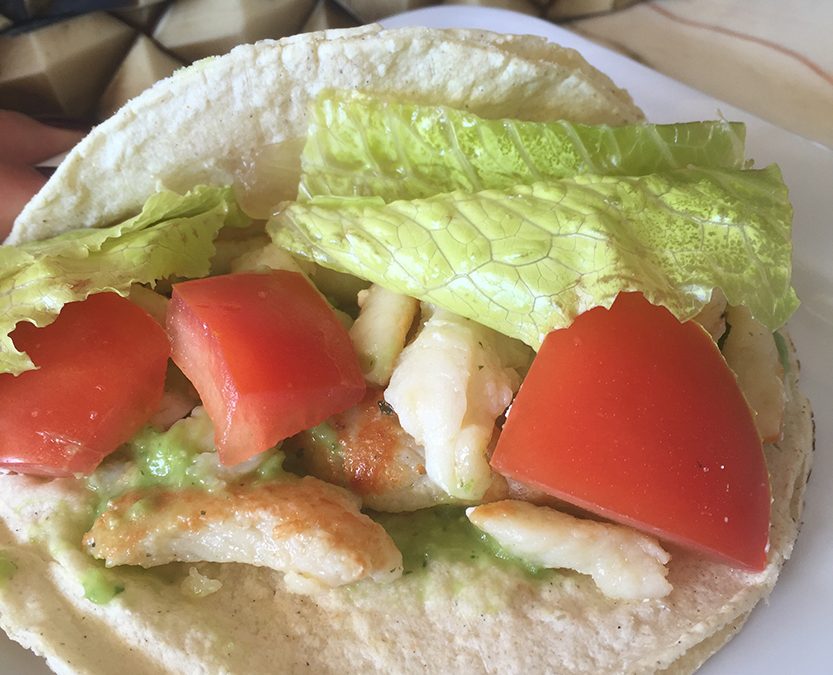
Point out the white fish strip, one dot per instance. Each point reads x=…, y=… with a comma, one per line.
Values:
x=448, y=388
x=624, y=563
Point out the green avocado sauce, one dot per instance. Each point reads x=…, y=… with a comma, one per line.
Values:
x=165, y=458
x=271, y=468
x=171, y=458
x=181, y=457
x=323, y=435
x=445, y=533
x=184, y=457
x=99, y=586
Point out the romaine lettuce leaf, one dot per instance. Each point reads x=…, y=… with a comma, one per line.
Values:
x=529, y=259
x=172, y=236
x=363, y=146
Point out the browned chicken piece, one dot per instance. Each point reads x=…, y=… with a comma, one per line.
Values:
x=366, y=450
x=312, y=531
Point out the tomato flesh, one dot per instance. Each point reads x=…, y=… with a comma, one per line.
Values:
x=101, y=373
x=634, y=416
x=267, y=355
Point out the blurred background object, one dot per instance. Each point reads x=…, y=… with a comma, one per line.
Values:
x=194, y=29
x=60, y=69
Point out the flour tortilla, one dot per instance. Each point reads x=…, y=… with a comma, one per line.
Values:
x=203, y=125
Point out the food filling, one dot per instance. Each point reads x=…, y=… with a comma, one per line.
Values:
x=569, y=331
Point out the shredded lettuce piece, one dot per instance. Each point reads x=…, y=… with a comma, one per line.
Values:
x=172, y=236
x=358, y=145
x=529, y=259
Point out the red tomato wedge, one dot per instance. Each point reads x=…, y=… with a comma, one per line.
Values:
x=634, y=416
x=101, y=373
x=266, y=354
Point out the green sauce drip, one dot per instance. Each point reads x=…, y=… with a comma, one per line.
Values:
x=163, y=460
x=445, y=533
x=99, y=587
x=169, y=458
x=271, y=469
x=323, y=435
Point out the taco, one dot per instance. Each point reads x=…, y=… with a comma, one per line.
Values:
x=242, y=564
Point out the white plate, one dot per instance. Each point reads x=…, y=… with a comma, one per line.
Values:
x=794, y=632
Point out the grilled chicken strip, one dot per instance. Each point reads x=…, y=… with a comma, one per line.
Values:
x=312, y=531
x=365, y=450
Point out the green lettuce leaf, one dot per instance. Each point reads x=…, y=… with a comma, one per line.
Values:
x=363, y=146
x=529, y=259
x=172, y=236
